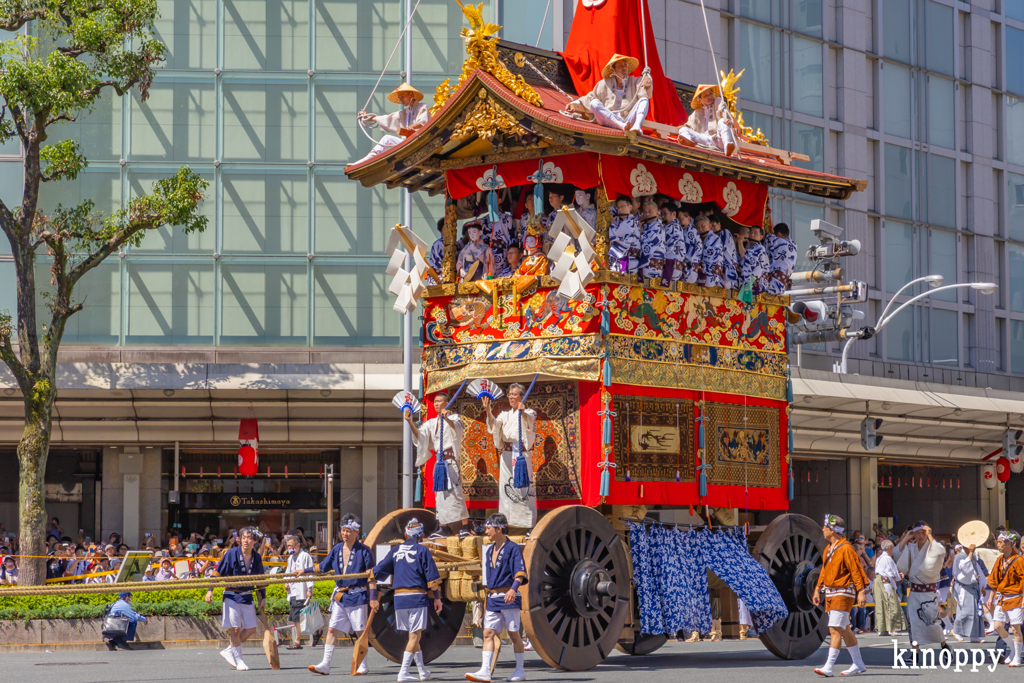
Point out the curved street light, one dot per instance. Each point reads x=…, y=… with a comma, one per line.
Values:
x=932, y=280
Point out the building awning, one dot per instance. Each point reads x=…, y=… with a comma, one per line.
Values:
x=920, y=420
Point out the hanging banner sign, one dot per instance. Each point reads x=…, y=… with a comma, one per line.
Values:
x=740, y=200
x=579, y=170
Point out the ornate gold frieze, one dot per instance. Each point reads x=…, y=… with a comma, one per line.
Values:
x=730, y=92
x=485, y=120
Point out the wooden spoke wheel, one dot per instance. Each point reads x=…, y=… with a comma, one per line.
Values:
x=642, y=644
x=442, y=627
x=577, y=600
x=790, y=549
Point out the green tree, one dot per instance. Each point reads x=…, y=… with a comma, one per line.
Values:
x=74, y=51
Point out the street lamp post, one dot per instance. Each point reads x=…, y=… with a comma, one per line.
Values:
x=983, y=287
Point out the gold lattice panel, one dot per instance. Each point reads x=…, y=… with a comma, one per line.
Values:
x=742, y=444
x=653, y=438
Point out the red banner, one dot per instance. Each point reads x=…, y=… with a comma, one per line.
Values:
x=741, y=200
x=579, y=170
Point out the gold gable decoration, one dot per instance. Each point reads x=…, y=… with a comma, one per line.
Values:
x=730, y=93
x=482, y=51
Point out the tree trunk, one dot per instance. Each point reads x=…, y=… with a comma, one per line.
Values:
x=33, y=451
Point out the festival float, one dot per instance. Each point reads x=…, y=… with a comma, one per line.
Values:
x=648, y=393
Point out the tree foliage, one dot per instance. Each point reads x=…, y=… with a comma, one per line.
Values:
x=73, y=52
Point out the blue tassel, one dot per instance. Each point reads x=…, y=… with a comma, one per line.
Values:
x=606, y=432
x=605, y=482
x=627, y=475
x=789, y=390
x=703, y=484
x=417, y=489
x=440, y=475
x=700, y=430
x=492, y=207
x=607, y=371
x=791, y=482
x=606, y=320
x=790, y=451
x=538, y=189
x=521, y=473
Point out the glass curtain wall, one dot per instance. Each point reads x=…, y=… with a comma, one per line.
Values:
x=260, y=97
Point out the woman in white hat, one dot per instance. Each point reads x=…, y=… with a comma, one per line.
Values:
x=710, y=124
x=410, y=118
x=621, y=100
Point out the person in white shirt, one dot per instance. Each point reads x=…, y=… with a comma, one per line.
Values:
x=920, y=558
x=967, y=590
x=299, y=594
x=620, y=100
x=406, y=121
x=888, y=613
x=514, y=433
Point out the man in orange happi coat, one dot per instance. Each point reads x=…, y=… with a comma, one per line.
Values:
x=843, y=580
x=1007, y=583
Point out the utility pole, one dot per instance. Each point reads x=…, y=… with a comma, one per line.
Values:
x=408, y=478
x=329, y=484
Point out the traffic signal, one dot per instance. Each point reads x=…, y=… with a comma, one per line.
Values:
x=868, y=438
x=1010, y=446
x=810, y=312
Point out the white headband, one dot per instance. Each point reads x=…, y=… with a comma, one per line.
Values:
x=414, y=527
x=352, y=525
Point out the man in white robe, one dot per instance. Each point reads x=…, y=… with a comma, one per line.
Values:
x=397, y=125
x=967, y=591
x=920, y=558
x=621, y=100
x=450, y=503
x=888, y=613
x=711, y=123
x=519, y=505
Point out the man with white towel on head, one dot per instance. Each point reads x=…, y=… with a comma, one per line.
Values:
x=920, y=558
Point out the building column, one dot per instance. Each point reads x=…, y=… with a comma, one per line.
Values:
x=863, y=494
x=993, y=503
x=369, y=486
x=130, y=467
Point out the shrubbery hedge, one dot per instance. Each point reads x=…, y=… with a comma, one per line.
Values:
x=165, y=603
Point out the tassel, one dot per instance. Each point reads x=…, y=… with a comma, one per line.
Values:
x=747, y=292
x=440, y=475
x=521, y=473
x=790, y=440
x=538, y=189
x=792, y=484
x=606, y=432
x=702, y=491
x=492, y=199
x=606, y=476
x=607, y=371
x=627, y=475
x=700, y=430
x=789, y=391
x=417, y=489
x=677, y=475
x=606, y=320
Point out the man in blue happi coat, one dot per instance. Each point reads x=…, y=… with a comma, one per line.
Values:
x=506, y=572
x=624, y=238
x=652, y=241
x=351, y=597
x=781, y=257
x=417, y=585
x=712, y=257
x=239, y=611
x=675, y=244
x=754, y=261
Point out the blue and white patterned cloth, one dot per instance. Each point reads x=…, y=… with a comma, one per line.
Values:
x=731, y=258
x=652, y=248
x=729, y=559
x=624, y=237
x=643, y=577
x=675, y=248
x=782, y=256
x=670, y=572
x=436, y=256
x=713, y=260
x=755, y=265
x=694, y=252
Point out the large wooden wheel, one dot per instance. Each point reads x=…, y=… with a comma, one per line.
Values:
x=442, y=628
x=577, y=600
x=790, y=549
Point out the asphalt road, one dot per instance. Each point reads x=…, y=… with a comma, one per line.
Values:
x=728, y=662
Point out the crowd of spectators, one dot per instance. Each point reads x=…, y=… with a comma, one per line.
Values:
x=175, y=557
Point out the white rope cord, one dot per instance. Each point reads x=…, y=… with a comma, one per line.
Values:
x=643, y=33
x=714, y=61
x=362, y=126
x=542, y=21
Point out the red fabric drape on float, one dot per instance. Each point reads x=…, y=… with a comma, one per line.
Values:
x=600, y=30
x=741, y=200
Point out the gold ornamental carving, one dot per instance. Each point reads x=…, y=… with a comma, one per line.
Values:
x=485, y=120
x=482, y=51
x=730, y=92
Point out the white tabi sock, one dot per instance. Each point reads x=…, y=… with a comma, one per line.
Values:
x=418, y=658
x=520, y=658
x=833, y=655
x=237, y=651
x=328, y=653
x=485, y=666
x=855, y=653
x=406, y=661
x=1017, y=646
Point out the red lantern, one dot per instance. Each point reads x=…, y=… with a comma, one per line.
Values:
x=248, y=447
x=1003, y=469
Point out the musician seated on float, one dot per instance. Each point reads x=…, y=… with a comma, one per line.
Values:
x=400, y=124
x=621, y=100
x=711, y=124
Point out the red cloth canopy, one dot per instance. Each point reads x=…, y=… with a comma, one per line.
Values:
x=600, y=30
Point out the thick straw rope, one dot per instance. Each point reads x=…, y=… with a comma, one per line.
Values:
x=190, y=584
